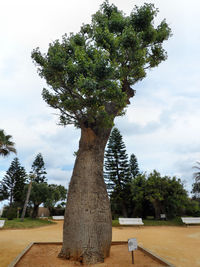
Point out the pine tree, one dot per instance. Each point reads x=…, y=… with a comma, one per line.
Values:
x=38, y=169
x=133, y=164
x=14, y=181
x=117, y=175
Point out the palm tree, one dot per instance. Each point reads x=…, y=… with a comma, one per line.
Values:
x=196, y=184
x=197, y=173
x=6, y=145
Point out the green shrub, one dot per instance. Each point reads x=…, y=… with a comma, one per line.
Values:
x=11, y=213
x=193, y=208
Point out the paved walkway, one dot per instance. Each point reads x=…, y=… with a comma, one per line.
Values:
x=178, y=245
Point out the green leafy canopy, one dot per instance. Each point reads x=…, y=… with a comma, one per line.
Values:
x=90, y=73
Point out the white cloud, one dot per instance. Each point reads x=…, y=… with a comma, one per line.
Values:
x=58, y=176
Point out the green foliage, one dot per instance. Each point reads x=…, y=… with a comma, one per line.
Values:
x=133, y=164
x=115, y=223
x=196, y=190
x=156, y=187
x=42, y=193
x=140, y=204
x=116, y=162
x=166, y=195
x=11, y=213
x=39, y=193
x=6, y=145
x=56, y=193
x=13, y=183
x=4, y=194
x=117, y=174
x=90, y=73
x=192, y=208
x=38, y=169
x=176, y=200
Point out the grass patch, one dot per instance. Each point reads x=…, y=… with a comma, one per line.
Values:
x=175, y=222
x=27, y=223
x=115, y=223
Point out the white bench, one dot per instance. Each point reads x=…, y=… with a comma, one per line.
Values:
x=163, y=216
x=130, y=221
x=2, y=222
x=191, y=220
x=58, y=218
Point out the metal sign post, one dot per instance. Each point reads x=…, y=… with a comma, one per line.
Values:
x=132, y=245
x=132, y=257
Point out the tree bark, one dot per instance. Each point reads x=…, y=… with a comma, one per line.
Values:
x=87, y=230
x=157, y=209
x=35, y=210
x=27, y=200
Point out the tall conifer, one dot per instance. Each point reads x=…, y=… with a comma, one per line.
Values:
x=117, y=174
x=133, y=164
x=14, y=181
x=38, y=169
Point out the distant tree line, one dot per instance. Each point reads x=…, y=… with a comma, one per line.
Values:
x=132, y=193
x=136, y=194
x=15, y=183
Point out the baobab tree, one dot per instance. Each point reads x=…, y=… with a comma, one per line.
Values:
x=90, y=76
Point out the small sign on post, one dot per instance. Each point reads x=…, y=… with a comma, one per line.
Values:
x=132, y=245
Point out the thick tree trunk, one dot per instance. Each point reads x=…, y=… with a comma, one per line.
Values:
x=35, y=211
x=157, y=209
x=87, y=231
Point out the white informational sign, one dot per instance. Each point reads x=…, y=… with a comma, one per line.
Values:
x=132, y=244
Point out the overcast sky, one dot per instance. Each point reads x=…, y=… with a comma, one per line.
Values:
x=161, y=126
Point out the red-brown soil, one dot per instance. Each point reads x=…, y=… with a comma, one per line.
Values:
x=46, y=255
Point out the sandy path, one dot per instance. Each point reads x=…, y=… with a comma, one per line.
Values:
x=12, y=242
x=178, y=245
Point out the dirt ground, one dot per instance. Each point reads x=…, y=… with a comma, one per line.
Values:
x=46, y=255
x=178, y=245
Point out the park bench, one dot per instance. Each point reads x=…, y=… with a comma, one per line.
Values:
x=2, y=222
x=130, y=221
x=191, y=220
x=163, y=216
x=58, y=218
